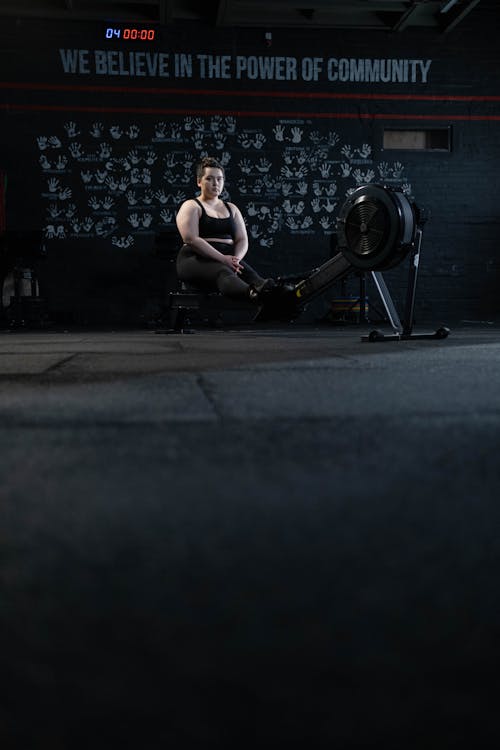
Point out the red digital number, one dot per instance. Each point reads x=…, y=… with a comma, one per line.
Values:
x=142, y=34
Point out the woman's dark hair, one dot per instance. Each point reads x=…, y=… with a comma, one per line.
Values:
x=207, y=162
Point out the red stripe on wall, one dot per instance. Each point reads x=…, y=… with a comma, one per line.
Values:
x=243, y=113
x=246, y=94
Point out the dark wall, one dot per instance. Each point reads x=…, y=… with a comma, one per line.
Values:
x=100, y=138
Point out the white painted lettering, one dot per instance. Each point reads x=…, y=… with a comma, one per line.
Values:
x=251, y=67
x=425, y=67
x=75, y=60
x=183, y=66
x=101, y=67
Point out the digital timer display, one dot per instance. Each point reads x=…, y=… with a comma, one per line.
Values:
x=133, y=33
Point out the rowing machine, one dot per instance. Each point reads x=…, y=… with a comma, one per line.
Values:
x=377, y=228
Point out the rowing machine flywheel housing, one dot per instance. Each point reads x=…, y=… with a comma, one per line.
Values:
x=376, y=227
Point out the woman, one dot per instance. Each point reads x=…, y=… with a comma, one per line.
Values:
x=215, y=240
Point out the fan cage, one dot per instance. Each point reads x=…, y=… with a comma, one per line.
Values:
x=376, y=227
x=366, y=227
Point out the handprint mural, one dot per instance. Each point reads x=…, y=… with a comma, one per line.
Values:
x=287, y=176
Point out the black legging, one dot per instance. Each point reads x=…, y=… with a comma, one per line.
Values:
x=207, y=273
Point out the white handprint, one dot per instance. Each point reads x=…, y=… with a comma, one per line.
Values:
x=76, y=150
x=245, y=165
x=54, y=211
x=61, y=163
x=96, y=129
x=108, y=203
x=150, y=158
x=325, y=170
x=133, y=132
x=161, y=196
x=122, y=242
x=104, y=151
x=166, y=216
x=216, y=123
x=160, y=130
x=263, y=165
x=176, y=132
x=53, y=185
x=230, y=124
x=179, y=197
x=71, y=129
x=364, y=151
x=397, y=169
x=266, y=242
x=383, y=169
x=279, y=133
x=87, y=224
x=133, y=157
x=111, y=183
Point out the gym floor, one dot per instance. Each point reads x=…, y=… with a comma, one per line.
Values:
x=256, y=537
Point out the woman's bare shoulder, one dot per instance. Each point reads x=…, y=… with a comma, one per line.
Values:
x=234, y=208
x=191, y=204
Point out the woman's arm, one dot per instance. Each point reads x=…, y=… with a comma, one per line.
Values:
x=241, y=236
x=188, y=224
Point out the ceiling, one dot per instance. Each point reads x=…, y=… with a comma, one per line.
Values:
x=389, y=15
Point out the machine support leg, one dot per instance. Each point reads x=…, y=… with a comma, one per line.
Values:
x=403, y=331
x=387, y=302
x=412, y=287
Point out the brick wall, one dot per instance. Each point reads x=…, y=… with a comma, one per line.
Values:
x=100, y=148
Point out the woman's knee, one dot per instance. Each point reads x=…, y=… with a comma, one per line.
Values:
x=230, y=284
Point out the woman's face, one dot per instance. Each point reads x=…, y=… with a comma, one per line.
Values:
x=211, y=182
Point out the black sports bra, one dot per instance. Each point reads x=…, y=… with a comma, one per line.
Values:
x=222, y=229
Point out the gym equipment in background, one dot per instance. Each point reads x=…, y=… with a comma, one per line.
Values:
x=377, y=228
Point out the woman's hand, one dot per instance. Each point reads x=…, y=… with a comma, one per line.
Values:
x=233, y=262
